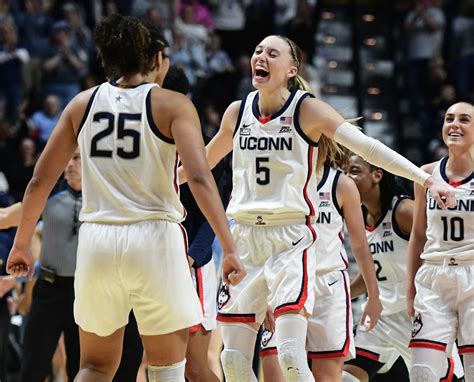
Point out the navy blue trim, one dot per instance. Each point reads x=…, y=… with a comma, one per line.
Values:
x=297, y=121
x=442, y=170
x=256, y=111
x=117, y=85
x=151, y=122
x=333, y=192
x=395, y=226
x=239, y=117
x=86, y=112
x=324, y=177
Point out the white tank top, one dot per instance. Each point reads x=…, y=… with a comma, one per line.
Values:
x=388, y=246
x=330, y=251
x=129, y=169
x=273, y=165
x=450, y=232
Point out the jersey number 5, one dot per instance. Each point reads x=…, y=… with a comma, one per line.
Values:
x=263, y=172
x=122, y=133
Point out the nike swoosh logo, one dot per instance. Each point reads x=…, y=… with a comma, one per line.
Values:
x=296, y=242
x=330, y=284
x=248, y=124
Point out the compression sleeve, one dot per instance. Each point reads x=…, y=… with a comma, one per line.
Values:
x=377, y=153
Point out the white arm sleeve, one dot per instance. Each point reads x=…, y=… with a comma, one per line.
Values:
x=378, y=154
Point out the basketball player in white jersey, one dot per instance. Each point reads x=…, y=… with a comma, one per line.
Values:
x=441, y=255
x=274, y=133
x=330, y=340
x=388, y=216
x=131, y=252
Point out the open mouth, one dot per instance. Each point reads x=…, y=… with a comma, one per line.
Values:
x=455, y=135
x=261, y=73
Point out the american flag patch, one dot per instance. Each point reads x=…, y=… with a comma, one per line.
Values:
x=324, y=196
x=286, y=120
x=387, y=226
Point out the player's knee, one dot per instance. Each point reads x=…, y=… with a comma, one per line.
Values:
x=174, y=372
x=348, y=377
x=237, y=367
x=423, y=373
x=293, y=361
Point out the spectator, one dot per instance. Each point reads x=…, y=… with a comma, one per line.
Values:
x=218, y=61
x=463, y=28
x=195, y=36
x=44, y=121
x=424, y=26
x=12, y=58
x=154, y=16
x=64, y=64
x=81, y=34
x=19, y=171
x=244, y=85
x=202, y=14
x=187, y=58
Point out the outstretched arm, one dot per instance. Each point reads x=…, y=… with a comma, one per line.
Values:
x=317, y=117
x=349, y=200
x=10, y=216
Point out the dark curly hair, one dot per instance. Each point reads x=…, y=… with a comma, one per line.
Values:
x=127, y=45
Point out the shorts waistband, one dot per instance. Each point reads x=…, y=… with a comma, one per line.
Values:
x=271, y=221
x=450, y=262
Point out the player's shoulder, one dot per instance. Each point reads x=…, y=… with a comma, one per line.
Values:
x=169, y=101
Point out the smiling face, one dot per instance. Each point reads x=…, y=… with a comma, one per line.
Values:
x=272, y=63
x=458, y=127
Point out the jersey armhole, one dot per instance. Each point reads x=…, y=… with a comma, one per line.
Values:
x=239, y=117
x=87, y=111
x=151, y=122
x=396, y=228
x=297, y=121
x=334, y=195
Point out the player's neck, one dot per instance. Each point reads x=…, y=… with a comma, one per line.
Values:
x=271, y=102
x=374, y=209
x=131, y=79
x=459, y=165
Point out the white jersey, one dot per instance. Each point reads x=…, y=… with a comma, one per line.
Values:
x=450, y=232
x=330, y=252
x=274, y=165
x=129, y=169
x=388, y=246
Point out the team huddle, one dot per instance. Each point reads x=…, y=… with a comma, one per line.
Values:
x=300, y=173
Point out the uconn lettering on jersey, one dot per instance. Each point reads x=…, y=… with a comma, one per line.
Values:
x=266, y=143
x=383, y=247
x=461, y=205
x=324, y=218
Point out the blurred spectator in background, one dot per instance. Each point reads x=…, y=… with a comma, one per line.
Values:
x=202, y=14
x=19, y=171
x=229, y=21
x=44, y=121
x=12, y=58
x=153, y=16
x=424, y=27
x=244, y=85
x=218, y=61
x=167, y=9
x=463, y=50
x=188, y=58
x=81, y=34
x=302, y=25
x=64, y=64
x=285, y=10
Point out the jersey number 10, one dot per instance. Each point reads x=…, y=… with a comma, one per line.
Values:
x=454, y=230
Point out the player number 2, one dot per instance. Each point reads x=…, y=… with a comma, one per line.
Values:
x=122, y=133
x=263, y=172
x=454, y=230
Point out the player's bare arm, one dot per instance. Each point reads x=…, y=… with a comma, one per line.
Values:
x=349, y=200
x=417, y=239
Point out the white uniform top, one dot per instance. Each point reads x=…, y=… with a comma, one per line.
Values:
x=129, y=169
x=274, y=165
x=330, y=252
x=388, y=246
x=450, y=232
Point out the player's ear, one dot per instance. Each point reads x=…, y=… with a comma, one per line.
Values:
x=377, y=175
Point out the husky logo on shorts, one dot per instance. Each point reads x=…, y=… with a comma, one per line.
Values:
x=224, y=296
x=259, y=221
x=417, y=325
x=266, y=337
